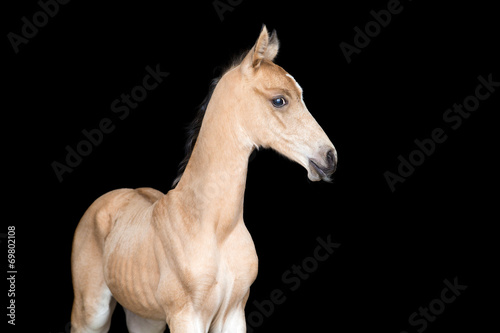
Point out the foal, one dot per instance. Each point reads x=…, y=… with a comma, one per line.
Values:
x=186, y=258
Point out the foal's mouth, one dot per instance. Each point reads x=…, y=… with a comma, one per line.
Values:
x=321, y=172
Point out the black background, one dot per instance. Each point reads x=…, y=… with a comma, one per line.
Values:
x=397, y=247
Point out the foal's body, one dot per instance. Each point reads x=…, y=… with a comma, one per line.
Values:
x=163, y=265
x=186, y=258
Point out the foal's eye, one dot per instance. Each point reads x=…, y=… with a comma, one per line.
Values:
x=279, y=102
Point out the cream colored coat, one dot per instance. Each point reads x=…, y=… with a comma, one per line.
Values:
x=186, y=258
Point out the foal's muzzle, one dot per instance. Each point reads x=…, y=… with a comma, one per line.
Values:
x=326, y=167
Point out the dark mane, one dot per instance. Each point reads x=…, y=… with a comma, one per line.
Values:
x=193, y=129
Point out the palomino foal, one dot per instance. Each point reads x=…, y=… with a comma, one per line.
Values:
x=186, y=258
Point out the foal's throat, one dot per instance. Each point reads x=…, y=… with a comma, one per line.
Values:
x=213, y=183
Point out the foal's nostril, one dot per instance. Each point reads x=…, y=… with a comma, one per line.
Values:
x=330, y=159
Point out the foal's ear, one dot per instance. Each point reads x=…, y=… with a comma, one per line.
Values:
x=266, y=48
x=273, y=46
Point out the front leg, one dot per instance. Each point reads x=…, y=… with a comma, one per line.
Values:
x=235, y=322
x=187, y=321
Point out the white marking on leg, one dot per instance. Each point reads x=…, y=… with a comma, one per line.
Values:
x=101, y=319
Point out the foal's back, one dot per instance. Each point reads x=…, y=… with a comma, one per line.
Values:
x=112, y=206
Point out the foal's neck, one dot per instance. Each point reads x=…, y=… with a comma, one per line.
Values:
x=213, y=183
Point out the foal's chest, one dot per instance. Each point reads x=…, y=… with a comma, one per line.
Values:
x=216, y=280
x=237, y=270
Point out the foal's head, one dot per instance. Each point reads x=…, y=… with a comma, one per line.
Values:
x=272, y=111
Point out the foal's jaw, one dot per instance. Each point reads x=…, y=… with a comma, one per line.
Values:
x=317, y=156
